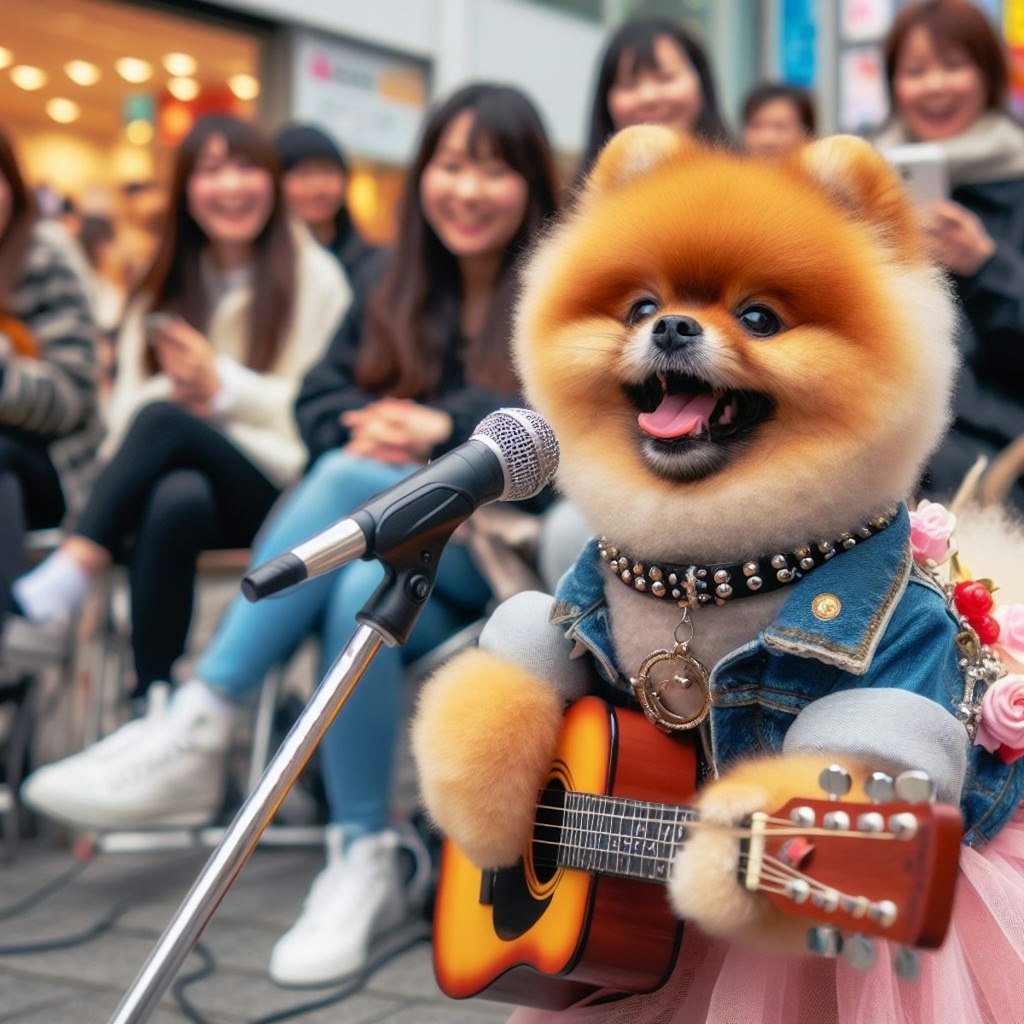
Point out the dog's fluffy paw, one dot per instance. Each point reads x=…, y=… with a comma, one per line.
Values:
x=483, y=737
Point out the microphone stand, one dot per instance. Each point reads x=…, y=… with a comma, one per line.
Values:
x=388, y=617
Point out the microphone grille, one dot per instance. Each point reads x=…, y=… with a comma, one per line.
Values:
x=527, y=447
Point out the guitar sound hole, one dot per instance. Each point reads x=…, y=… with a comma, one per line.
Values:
x=548, y=831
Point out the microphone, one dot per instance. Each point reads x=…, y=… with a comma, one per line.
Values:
x=512, y=455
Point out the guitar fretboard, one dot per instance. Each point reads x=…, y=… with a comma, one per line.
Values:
x=615, y=836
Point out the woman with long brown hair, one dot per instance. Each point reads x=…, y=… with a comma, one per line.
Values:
x=49, y=427
x=235, y=307
x=407, y=378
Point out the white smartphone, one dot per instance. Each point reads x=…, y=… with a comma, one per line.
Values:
x=922, y=166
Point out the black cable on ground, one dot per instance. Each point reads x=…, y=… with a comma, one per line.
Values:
x=105, y=923
x=207, y=967
x=44, y=891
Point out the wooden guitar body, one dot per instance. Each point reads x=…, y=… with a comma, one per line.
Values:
x=545, y=936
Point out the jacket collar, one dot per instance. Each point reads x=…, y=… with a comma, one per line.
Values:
x=836, y=614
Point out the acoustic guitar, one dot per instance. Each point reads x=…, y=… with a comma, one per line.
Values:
x=577, y=912
x=22, y=339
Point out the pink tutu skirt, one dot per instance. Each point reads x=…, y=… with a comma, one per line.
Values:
x=977, y=977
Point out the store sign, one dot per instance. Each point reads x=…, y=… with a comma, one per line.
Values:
x=865, y=20
x=372, y=103
x=799, y=40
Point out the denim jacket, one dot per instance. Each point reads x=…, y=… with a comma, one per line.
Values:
x=893, y=630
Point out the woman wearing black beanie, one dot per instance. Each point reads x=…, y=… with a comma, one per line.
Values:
x=315, y=180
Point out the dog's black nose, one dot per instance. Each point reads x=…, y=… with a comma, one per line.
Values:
x=671, y=333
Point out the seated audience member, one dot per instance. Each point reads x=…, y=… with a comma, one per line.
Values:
x=315, y=181
x=948, y=77
x=49, y=425
x=408, y=376
x=235, y=308
x=777, y=118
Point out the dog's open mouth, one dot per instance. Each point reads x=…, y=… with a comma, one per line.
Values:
x=688, y=427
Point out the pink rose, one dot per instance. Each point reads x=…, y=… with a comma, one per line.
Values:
x=1011, y=629
x=930, y=529
x=1002, y=718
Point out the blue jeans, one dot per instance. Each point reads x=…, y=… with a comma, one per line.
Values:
x=358, y=750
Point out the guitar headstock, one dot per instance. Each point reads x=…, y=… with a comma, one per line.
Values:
x=883, y=868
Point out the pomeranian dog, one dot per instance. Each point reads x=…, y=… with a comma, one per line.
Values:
x=746, y=364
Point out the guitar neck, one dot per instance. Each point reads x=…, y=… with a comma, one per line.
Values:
x=610, y=835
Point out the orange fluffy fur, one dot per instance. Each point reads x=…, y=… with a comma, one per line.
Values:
x=483, y=738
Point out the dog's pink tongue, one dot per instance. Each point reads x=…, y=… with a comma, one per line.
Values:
x=678, y=416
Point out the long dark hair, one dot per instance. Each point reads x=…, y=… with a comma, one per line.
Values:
x=637, y=37
x=414, y=310
x=953, y=25
x=17, y=234
x=174, y=280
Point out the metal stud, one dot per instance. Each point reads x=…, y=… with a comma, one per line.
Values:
x=826, y=899
x=864, y=532
x=779, y=562
x=803, y=817
x=879, y=788
x=784, y=575
x=903, y=826
x=825, y=546
x=855, y=906
x=916, y=787
x=798, y=890
x=655, y=573
x=723, y=590
x=658, y=589
x=750, y=569
x=703, y=598
x=754, y=583
x=640, y=583
x=870, y=821
x=721, y=576
x=673, y=579
x=906, y=964
x=849, y=543
x=807, y=563
x=825, y=941
x=638, y=569
x=835, y=780
x=878, y=522
x=838, y=821
x=626, y=576
x=702, y=573
x=613, y=552
x=676, y=594
x=802, y=552
x=884, y=912
x=859, y=952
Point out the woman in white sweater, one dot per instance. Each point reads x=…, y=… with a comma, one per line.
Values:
x=236, y=306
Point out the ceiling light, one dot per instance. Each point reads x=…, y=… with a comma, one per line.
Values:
x=140, y=132
x=183, y=89
x=180, y=65
x=133, y=70
x=63, y=111
x=82, y=72
x=26, y=77
x=245, y=87
x=6, y=57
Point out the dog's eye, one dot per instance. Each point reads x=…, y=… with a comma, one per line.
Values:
x=641, y=310
x=760, y=321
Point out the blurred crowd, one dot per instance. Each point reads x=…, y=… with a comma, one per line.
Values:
x=227, y=364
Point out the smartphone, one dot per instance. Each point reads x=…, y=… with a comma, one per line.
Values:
x=922, y=166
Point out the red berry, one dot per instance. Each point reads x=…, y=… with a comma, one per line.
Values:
x=987, y=629
x=972, y=599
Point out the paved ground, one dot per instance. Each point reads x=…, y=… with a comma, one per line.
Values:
x=83, y=984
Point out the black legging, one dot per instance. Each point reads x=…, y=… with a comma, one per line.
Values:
x=30, y=499
x=176, y=487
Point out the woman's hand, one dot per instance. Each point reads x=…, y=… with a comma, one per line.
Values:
x=958, y=239
x=189, y=360
x=396, y=430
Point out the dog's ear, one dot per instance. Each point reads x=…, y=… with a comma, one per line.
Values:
x=857, y=178
x=632, y=153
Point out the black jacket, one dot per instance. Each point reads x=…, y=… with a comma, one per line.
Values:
x=989, y=402
x=329, y=389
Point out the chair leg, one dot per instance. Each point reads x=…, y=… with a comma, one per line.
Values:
x=263, y=726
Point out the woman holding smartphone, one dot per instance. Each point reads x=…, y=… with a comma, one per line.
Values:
x=235, y=307
x=948, y=77
x=407, y=377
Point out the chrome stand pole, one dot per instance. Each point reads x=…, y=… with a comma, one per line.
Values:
x=242, y=835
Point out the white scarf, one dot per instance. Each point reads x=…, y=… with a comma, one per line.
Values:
x=992, y=149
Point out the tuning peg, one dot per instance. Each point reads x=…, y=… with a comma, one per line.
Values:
x=907, y=964
x=825, y=941
x=879, y=788
x=836, y=781
x=859, y=952
x=916, y=787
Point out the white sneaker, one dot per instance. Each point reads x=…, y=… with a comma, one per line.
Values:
x=167, y=769
x=357, y=897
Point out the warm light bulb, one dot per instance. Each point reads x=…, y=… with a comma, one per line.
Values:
x=183, y=89
x=63, y=111
x=26, y=77
x=139, y=132
x=134, y=70
x=245, y=87
x=180, y=65
x=82, y=72
x=6, y=57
